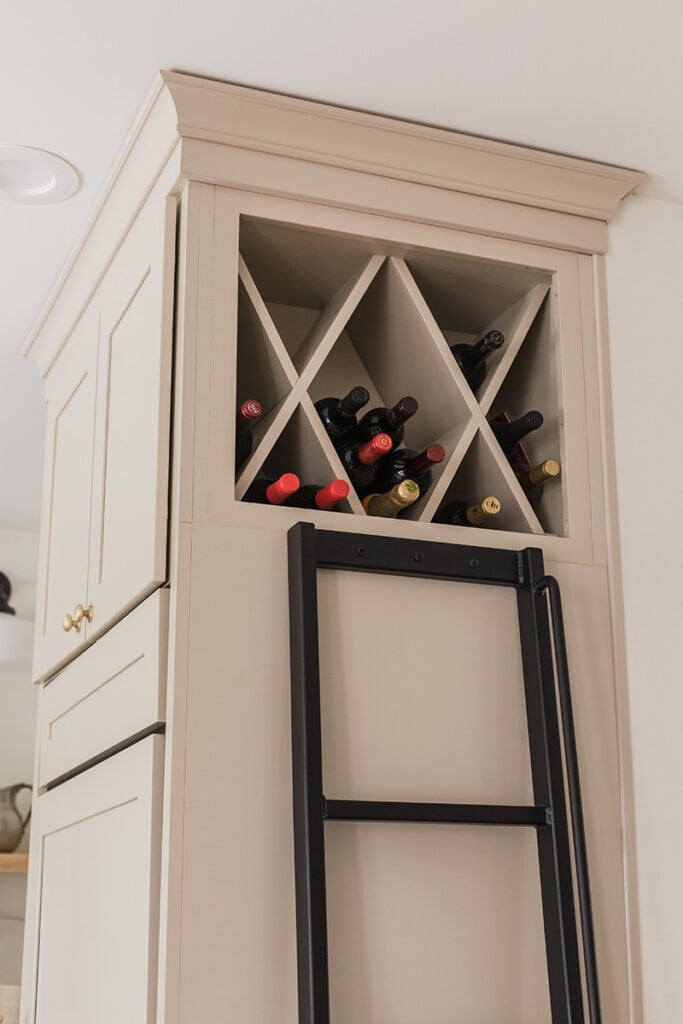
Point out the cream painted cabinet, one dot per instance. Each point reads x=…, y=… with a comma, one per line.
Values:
x=318, y=250
x=65, y=536
x=106, y=489
x=95, y=890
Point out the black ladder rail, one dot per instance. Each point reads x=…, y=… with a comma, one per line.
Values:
x=309, y=550
x=549, y=585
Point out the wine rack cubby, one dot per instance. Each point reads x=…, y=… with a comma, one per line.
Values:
x=321, y=312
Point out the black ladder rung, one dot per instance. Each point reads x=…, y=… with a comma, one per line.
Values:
x=446, y=814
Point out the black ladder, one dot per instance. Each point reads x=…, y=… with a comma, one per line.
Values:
x=548, y=708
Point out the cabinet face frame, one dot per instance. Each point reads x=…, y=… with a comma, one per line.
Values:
x=216, y=257
x=132, y=777
x=65, y=528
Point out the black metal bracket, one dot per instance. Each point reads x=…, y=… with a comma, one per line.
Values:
x=310, y=550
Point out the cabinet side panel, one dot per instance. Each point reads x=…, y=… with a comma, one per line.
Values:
x=585, y=597
x=237, y=938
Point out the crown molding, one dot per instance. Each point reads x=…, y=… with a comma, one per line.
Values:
x=194, y=128
x=272, y=123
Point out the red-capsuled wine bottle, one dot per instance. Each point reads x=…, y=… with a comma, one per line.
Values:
x=386, y=421
x=462, y=513
x=324, y=498
x=247, y=414
x=273, y=490
x=360, y=460
x=510, y=432
x=406, y=464
x=472, y=358
x=339, y=414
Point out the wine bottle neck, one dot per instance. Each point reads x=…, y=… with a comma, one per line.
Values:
x=374, y=449
x=544, y=471
x=402, y=411
x=483, y=510
x=327, y=497
x=431, y=456
x=519, y=428
x=348, y=406
x=247, y=414
x=391, y=503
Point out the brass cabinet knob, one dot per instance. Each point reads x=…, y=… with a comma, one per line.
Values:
x=75, y=620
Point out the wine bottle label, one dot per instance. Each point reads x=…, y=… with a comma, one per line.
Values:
x=479, y=513
x=544, y=471
x=391, y=503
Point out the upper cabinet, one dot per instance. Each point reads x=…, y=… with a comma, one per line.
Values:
x=105, y=504
x=65, y=534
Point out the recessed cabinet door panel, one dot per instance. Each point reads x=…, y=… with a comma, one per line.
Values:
x=96, y=843
x=63, y=573
x=130, y=479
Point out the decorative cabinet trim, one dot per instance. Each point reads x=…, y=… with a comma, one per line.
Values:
x=272, y=123
x=198, y=129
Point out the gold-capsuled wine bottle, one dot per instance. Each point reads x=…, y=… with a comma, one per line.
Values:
x=536, y=477
x=460, y=513
x=394, y=501
x=544, y=471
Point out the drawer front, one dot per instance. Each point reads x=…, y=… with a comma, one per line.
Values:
x=114, y=690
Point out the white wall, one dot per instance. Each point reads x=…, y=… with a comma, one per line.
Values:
x=645, y=290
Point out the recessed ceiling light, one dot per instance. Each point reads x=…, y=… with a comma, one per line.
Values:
x=29, y=175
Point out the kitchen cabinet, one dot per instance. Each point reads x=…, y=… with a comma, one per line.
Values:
x=106, y=483
x=317, y=249
x=94, y=886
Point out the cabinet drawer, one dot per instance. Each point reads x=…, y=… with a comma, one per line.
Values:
x=114, y=690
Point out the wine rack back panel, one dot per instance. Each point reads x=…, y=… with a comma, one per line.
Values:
x=321, y=312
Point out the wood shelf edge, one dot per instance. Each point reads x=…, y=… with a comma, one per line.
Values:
x=13, y=863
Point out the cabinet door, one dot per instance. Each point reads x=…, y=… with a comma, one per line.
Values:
x=65, y=533
x=93, y=904
x=130, y=474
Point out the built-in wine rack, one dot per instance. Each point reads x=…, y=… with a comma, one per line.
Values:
x=319, y=313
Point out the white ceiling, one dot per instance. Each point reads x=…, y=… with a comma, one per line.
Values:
x=594, y=78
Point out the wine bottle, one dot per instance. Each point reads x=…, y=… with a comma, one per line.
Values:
x=406, y=464
x=386, y=421
x=472, y=358
x=339, y=414
x=394, y=501
x=360, y=460
x=273, y=490
x=247, y=414
x=315, y=496
x=461, y=513
x=510, y=432
x=533, y=479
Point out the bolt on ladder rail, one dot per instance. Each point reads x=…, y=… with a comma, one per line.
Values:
x=552, y=748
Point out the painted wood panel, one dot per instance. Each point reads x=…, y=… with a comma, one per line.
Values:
x=94, y=885
x=65, y=530
x=130, y=480
x=113, y=691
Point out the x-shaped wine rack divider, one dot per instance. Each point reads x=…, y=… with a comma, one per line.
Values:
x=417, y=321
